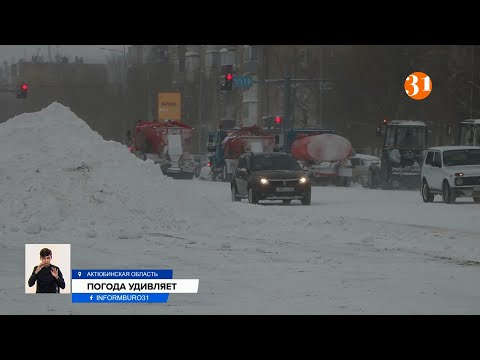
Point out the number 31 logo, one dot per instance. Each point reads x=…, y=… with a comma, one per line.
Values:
x=418, y=85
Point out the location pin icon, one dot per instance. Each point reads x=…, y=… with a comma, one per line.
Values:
x=79, y=274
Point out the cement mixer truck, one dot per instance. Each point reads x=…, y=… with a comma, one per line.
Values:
x=322, y=154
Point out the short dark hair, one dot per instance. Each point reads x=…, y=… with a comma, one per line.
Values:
x=45, y=252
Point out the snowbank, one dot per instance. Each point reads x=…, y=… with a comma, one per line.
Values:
x=56, y=173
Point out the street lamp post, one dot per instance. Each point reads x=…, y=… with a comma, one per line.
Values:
x=124, y=83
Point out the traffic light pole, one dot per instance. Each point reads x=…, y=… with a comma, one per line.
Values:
x=287, y=87
x=287, y=124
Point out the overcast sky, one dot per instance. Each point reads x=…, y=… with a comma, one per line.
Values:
x=90, y=53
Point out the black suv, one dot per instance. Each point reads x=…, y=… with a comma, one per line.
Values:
x=270, y=176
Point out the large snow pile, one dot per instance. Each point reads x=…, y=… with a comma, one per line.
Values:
x=57, y=174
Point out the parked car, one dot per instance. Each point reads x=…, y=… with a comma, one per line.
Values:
x=451, y=171
x=270, y=176
x=360, y=166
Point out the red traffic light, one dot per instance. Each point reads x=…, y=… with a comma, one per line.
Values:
x=385, y=121
x=278, y=120
x=22, y=92
x=229, y=77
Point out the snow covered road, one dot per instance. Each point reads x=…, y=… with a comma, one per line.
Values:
x=353, y=251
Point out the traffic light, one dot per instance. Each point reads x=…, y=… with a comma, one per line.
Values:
x=226, y=80
x=229, y=81
x=278, y=121
x=22, y=93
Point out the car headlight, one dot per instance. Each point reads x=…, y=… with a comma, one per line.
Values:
x=303, y=180
x=263, y=181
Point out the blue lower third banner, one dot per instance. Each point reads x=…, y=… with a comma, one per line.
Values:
x=127, y=285
x=120, y=298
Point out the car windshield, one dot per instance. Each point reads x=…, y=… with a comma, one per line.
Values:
x=461, y=157
x=274, y=162
x=408, y=137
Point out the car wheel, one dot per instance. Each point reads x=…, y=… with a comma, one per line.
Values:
x=339, y=181
x=235, y=197
x=396, y=183
x=427, y=196
x=347, y=182
x=252, y=197
x=447, y=194
x=476, y=199
x=307, y=199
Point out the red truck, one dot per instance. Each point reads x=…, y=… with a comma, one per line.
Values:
x=167, y=144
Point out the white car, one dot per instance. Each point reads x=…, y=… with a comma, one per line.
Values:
x=360, y=166
x=451, y=171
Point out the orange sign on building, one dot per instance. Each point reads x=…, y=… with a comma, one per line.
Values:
x=169, y=106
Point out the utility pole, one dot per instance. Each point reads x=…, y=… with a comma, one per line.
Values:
x=287, y=89
x=319, y=121
x=286, y=125
x=122, y=77
x=471, y=82
x=199, y=102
